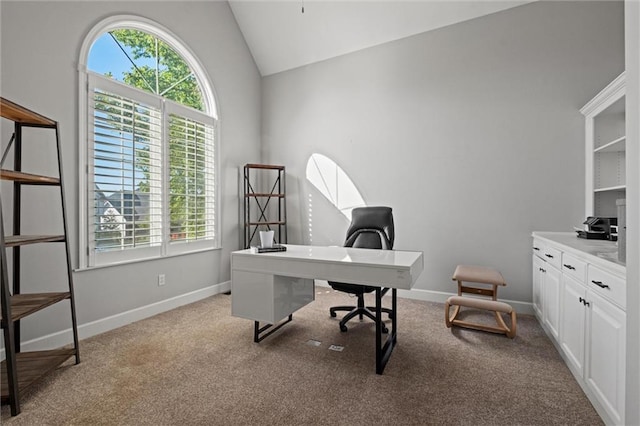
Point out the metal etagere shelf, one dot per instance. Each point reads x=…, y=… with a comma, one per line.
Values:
x=265, y=205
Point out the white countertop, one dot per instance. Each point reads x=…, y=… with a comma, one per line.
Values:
x=602, y=252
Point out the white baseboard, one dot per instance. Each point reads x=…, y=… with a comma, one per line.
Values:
x=441, y=297
x=102, y=325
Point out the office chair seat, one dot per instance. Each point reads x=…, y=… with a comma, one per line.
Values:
x=371, y=227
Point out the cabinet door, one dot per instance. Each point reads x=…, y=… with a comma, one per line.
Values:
x=538, y=294
x=572, y=322
x=605, y=369
x=551, y=308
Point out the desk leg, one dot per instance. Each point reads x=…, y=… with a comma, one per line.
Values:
x=383, y=352
x=257, y=338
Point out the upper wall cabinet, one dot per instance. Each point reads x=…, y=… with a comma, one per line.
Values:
x=605, y=149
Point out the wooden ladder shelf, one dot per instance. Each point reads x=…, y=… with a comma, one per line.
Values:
x=20, y=370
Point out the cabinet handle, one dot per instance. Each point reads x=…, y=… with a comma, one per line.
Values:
x=536, y=249
x=542, y=270
x=548, y=255
x=583, y=301
x=599, y=284
x=569, y=267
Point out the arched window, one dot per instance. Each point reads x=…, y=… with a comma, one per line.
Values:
x=148, y=188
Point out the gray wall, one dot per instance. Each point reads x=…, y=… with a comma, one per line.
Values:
x=40, y=48
x=472, y=133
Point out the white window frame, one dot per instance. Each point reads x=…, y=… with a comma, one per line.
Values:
x=88, y=257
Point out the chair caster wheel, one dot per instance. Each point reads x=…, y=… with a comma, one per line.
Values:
x=333, y=314
x=343, y=328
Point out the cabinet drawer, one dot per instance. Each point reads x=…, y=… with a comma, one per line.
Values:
x=607, y=285
x=574, y=267
x=552, y=256
x=538, y=248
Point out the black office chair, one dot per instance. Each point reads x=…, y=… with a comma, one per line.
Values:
x=371, y=227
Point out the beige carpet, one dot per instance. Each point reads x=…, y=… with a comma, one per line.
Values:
x=198, y=365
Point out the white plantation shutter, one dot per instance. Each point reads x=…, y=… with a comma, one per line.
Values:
x=191, y=188
x=151, y=175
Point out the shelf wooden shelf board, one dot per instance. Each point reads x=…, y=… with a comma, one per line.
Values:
x=616, y=145
x=611, y=188
x=21, y=240
x=26, y=304
x=32, y=366
x=19, y=114
x=266, y=223
x=264, y=166
x=264, y=195
x=28, y=178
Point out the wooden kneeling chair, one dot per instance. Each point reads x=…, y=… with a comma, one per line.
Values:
x=487, y=277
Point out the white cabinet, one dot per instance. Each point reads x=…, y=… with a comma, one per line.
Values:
x=593, y=342
x=538, y=290
x=546, y=285
x=605, y=365
x=581, y=306
x=573, y=322
x=552, y=300
x=572, y=311
x=605, y=143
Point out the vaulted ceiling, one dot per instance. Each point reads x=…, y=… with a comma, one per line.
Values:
x=288, y=34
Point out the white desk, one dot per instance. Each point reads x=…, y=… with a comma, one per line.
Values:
x=269, y=287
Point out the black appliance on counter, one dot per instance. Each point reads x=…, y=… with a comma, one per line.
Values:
x=600, y=228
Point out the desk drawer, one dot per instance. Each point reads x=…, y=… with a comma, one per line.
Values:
x=574, y=267
x=607, y=285
x=552, y=256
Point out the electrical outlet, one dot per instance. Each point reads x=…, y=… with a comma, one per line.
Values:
x=161, y=280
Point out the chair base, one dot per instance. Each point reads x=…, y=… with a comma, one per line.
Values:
x=361, y=310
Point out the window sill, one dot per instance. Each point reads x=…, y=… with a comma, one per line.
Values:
x=147, y=259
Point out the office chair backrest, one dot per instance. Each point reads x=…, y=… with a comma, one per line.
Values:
x=371, y=227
